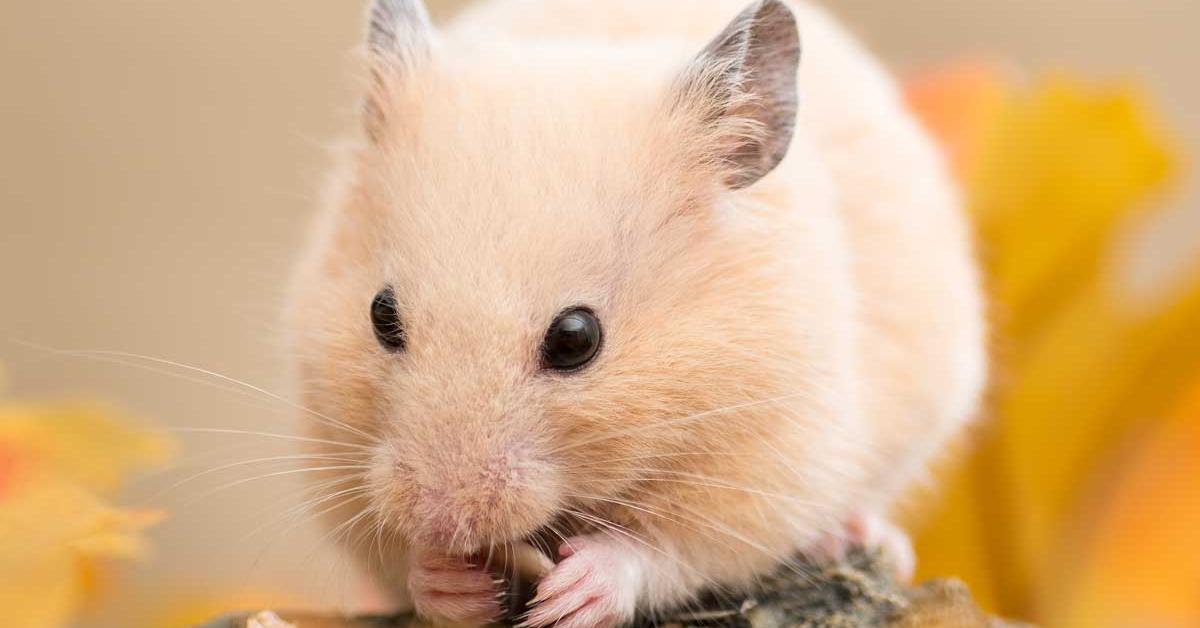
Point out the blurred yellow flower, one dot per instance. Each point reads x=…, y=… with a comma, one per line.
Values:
x=58, y=466
x=1054, y=175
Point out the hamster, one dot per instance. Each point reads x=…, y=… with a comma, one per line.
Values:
x=660, y=286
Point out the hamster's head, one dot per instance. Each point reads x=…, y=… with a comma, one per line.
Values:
x=534, y=280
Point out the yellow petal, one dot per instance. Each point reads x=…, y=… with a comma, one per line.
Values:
x=56, y=466
x=1079, y=365
x=85, y=443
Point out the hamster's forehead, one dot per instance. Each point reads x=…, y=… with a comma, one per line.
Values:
x=499, y=170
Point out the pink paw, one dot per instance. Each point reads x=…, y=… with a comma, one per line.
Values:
x=451, y=590
x=871, y=531
x=595, y=586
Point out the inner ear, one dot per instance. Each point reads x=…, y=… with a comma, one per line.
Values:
x=742, y=87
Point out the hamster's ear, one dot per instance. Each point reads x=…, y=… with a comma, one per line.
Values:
x=399, y=42
x=742, y=90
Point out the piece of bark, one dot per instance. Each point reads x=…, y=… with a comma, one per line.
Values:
x=853, y=593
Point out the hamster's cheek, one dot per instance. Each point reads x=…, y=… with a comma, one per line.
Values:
x=389, y=492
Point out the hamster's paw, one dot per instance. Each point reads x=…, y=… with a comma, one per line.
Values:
x=870, y=530
x=595, y=586
x=450, y=589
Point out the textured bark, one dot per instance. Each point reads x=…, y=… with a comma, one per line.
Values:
x=857, y=592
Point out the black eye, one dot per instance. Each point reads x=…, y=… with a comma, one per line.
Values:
x=572, y=340
x=389, y=330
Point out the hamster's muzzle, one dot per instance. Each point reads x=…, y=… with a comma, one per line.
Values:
x=469, y=498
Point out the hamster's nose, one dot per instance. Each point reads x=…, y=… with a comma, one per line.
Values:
x=473, y=499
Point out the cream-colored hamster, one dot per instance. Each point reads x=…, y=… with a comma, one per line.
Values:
x=632, y=281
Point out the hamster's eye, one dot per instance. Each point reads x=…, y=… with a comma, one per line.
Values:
x=572, y=340
x=385, y=317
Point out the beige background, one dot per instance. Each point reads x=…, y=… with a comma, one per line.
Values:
x=158, y=159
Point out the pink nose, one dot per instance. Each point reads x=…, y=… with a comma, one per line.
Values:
x=468, y=503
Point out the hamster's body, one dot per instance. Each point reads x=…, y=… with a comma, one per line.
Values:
x=780, y=357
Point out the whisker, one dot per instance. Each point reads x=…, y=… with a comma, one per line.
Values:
x=379, y=529
x=361, y=467
x=291, y=518
x=677, y=421
x=554, y=530
x=303, y=439
x=680, y=454
x=694, y=479
x=335, y=536
x=115, y=357
x=242, y=463
x=607, y=463
x=645, y=508
x=301, y=508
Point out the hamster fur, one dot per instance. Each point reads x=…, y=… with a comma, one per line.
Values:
x=785, y=343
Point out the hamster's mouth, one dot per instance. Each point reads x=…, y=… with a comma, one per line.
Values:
x=550, y=536
x=541, y=547
x=522, y=562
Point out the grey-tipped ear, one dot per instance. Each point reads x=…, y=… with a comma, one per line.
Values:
x=745, y=80
x=399, y=40
x=398, y=28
